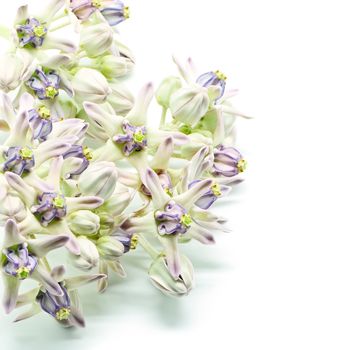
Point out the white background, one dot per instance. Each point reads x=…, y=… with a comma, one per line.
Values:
x=281, y=279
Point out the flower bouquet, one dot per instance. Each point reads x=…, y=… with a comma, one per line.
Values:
x=83, y=171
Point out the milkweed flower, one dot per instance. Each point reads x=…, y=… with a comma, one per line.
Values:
x=38, y=31
x=86, y=166
x=64, y=308
x=22, y=259
x=113, y=11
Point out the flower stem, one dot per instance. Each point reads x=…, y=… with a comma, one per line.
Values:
x=146, y=245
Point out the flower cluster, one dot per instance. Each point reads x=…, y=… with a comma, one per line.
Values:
x=82, y=170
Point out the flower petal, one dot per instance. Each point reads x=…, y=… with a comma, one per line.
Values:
x=152, y=182
x=26, y=193
x=163, y=154
x=11, y=287
x=78, y=281
x=41, y=246
x=172, y=254
x=82, y=203
x=188, y=198
x=12, y=236
x=138, y=114
x=49, y=283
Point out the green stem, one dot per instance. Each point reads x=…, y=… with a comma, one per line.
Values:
x=153, y=253
x=163, y=117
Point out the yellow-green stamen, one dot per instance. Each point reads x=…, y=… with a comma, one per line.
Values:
x=62, y=314
x=186, y=220
x=134, y=241
x=44, y=112
x=96, y=3
x=22, y=272
x=51, y=92
x=220, y=75
x=58, y=202
x=26, y=153
x=138, y=137
x=87, y=153
x=216, y=190
x=241, y=165
x=39, y=31
x=126, y=12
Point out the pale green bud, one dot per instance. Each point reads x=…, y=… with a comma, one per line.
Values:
x=89, y=255
x=120, y=99
x=162, y=279
x=115, y=66
x=166, y=89
x=189, y=104
x=96, y=39
x=99, y=179
x=84, y=222
x=12, y=207
x=109, y=248
x=90, y=85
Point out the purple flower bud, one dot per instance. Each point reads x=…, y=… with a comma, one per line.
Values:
x=209, y=197
x=56, y=306
x=51, y=206
x=228, y=162
x=45, y=85
x=41, y=123
x=128, y=240
x=31, y=34
x=81, y=152
x=18, y=160
x=134, y=138
x=213, y=78
x=115, y=13
x=19, y=262
x=173, y=220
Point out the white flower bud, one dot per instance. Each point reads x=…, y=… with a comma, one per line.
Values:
x=96, y=39
x=189, y=104
x=161, y=278
x=118, y=202
x=99, y=179
x=12, y=207
x=109, y=248
x=84, y=222
x=166, y=89
x=115, y=66
x=90, y=85
x=89, y=256
x=12, y=69
x=120, y=99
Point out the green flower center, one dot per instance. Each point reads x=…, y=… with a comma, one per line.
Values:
x=62, y=314
x=39, y=31
x=44, y=112
x=241, y=165
x=51, y=92
x=23, y=272
x=26, y=153
x=186, y=220
x=220, y=75
x=138, y=137
x=216, y=190
x=59, y=202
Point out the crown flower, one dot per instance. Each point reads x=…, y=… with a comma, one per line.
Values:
x=88, y=171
